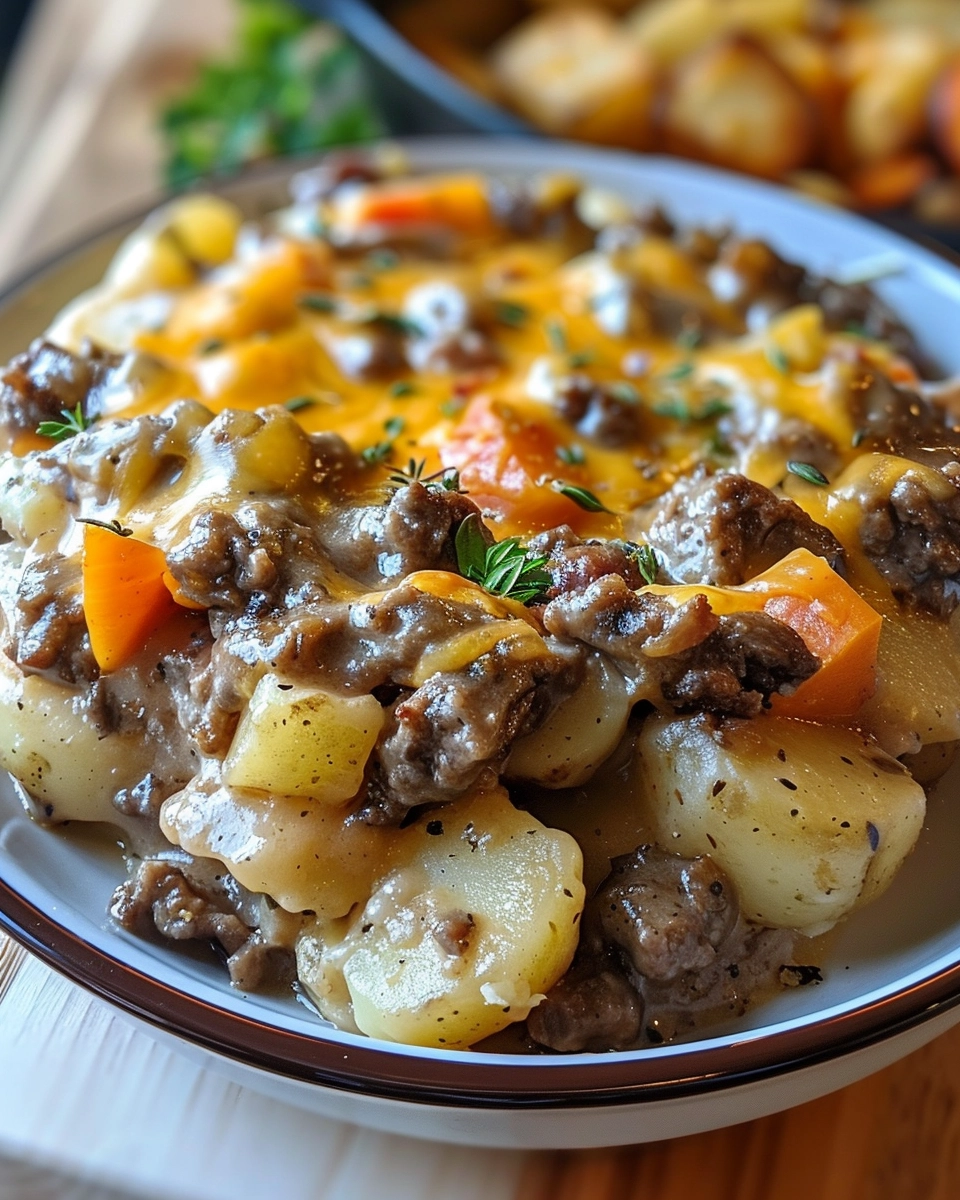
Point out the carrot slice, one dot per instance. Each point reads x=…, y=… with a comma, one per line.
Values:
x=458, y=202
x=835, y=622
x=124, y=596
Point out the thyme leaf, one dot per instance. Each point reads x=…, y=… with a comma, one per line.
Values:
x=509, y=312
x=648, y=564
x=581, y=496
x=808, y=472
x=113, y=526
x=504, y=568
x=72, y=424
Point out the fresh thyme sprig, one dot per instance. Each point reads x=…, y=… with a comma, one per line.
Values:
x=72, y=424
x=445, y=480
x=581, y=496
x=648, y=564
x=503, y=569
x=808, y=472
x=113, y=526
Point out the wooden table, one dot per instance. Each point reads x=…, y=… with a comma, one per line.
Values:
x=75, y=137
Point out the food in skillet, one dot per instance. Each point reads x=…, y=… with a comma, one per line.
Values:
x=481, y=602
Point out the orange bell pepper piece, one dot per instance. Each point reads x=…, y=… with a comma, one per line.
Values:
x=835, y=622
x=126, y=596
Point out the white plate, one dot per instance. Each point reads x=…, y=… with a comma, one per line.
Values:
x=892, y=971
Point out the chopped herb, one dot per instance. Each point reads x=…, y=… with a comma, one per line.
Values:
x=504, y=568
x=403, y=476
x=580, y=496
x=808, y=472
x=394, y=426
x=689, y=339
x=646, y=559
x=573, y=456
x=360, y=280
x=625, y=392
x=393, y=321
x=453, y=407
x=318, y=302
x=556, y=336
x=403, y=387
x=449, y=481
x=383, y=258
x=111, y=526
x=858, y=438
x=445, y=480
x=72, y=424
x=377, y=453
x=508, y=312
x=777, y=359
x=855, y=329
x=681, y=410
x=299, y=402
x=682, y=370
x=211, y=346
x=581, y=358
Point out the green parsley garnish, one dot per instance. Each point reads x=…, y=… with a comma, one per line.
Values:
x=393, y=321
x=646, y=559
x=394, y=426
x=211, y=346
x=573, y=456
x=859, y=437
x=377, y=453
x=402, y=388
x=503, y=569
x=508, y=312
x=113, y=526
x=72, y=424
x=581, y=358
x=682, y=370
x=778, y=359
x=383, y=258
x=453, y=407
x=318, y=302
x=689, y=339
x=625, y=392
x=297, y=403
x=556, y=336
x=681, y=410
x=288, y=86
x=580, y=496
x=808, y=472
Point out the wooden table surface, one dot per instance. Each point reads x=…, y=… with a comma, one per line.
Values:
x=75, y=139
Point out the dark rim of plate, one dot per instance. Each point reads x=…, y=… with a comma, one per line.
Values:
x=396, y=1072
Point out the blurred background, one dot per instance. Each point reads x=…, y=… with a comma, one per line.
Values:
x=106, y=102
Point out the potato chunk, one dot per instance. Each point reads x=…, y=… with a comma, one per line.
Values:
x=579, y=734
x=809, y=821
x=299, y=741
x=480, y=918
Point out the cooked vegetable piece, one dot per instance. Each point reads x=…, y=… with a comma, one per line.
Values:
x=945, y=114
x=839, y=627
x=300, y=741
x=892, y=181
x=455, y=202
x=809, y=821
x=124, y=596
x=479, y=920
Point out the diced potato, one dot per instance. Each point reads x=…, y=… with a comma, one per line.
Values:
x=732, y=105
x=59, y=753
x=809, y=821
x=671, y=29
x=300, y=741
x=479, y=920
x=205, y=226
x=305, y=856
x=886, y=110
x=571, y=69
x=578, y=735
x=800, y=335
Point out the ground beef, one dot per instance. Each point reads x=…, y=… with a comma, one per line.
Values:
x=49, y=631
x=442, y=738
x=698, y=662
x=588, y=1011
x=734, y=672
x=596, y=411
x=381, y=543
x=573, y=564
x=752, y=277
x=857, y=307
x=373, y=353
x=39, y=384
x=724, y=529
x=665, y=914
x=912, y=536
x=457, y=354
x=257, y=554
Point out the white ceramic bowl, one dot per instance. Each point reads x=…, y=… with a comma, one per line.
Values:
x=892, y=972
